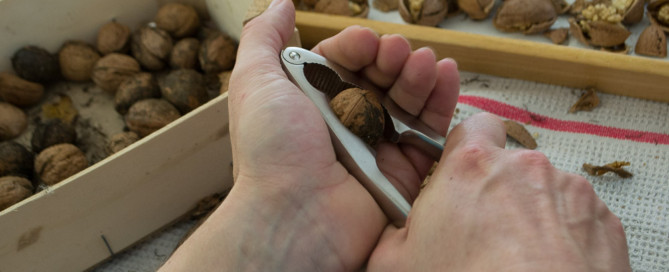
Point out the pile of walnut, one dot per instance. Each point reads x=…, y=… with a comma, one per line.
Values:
x=596, y=23
x=155, y=75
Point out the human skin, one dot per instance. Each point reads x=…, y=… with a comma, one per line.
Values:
x=294, y=207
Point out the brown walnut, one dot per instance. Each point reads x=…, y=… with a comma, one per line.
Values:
x=18, y=91
x=423, y=12
x=217, y=53
x=185, y=89
x=52, y=132
x=184, y=54
x=526, y=16
x=112, y=69
x=361, y=112
x=151, y=47
x=15, y=160
x=13, y=121
x=180, y=20
x=113, y=37
x=149, y=115
x=120, y=141
x=35, y=64
x=652, y=42
x=13, y=190
x=77, y=60
x=59, y=162
x=134, y=88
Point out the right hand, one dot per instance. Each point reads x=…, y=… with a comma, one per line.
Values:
x=490, y=209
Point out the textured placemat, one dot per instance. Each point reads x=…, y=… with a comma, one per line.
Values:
x=621, y=128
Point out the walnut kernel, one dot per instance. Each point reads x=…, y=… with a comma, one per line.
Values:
x=360, y=111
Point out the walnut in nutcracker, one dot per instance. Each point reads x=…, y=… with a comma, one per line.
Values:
x=13, y=121
x=18, y=91
x=185, y=89
x=149, y=115
x=135, y=88
x=14, y=189
x=361, y=112
x=599, y=25
x=77, y=59
x=526, y=16
x=353, y=8
x=151, y=47
x=112, y=69
x=59, y=162
x=113, y=37
x=423, y=12
x=180, y=20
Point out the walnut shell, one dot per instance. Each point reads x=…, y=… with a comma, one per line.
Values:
x=13, y=121
x=15, y=160
x=18, y=91
x=599, y=33
x=52, y=132
x=120, y=141
x=185, y=89
x=360, y=111
x=423, y=12
x=527, y=16
x=217, y=54
x=13, y=190
x=134, y=88
x=185, y=53
x=652, y=42
x=149, y=115
x=180, y=20
x=634, y=13
x=558, y=35
x=113, y=37
x=476, y=9
x=35, y=64
x=77, y=59
x=59, y=162
x=151, y=47
x=385, y=5
x=112, y=69
x=350, y=8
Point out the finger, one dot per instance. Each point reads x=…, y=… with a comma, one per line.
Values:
x=438, y=110
x=390, y=58
x=416, y=81
x=353, y=48
x=483, y=130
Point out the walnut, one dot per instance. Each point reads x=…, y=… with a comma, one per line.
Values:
x=120, y=141
x=180, y=20
x=527, y=16
x=476, y=9
x=149, y=115
x=217, y=53
x=423, y=12
x=18, y=91
x=386, y=5
x=112, y=69
x=652, y=42
x=52, y=132
x=354, y=8
x=59, y=162
x=137, y=87
x=113, y=37
x=13, y=190
x=35, y=64
x=598, y=33
x=360, y=111
x=15, y=160
x=60, y=107
x=185, y=53
x=77, y=60
x=185, y=89
x=13, y=121
x=151, y=47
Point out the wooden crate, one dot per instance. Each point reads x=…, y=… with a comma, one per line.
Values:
x=113, y=204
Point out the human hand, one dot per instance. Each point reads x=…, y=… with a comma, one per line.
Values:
x=294, y=207
x=490, y=209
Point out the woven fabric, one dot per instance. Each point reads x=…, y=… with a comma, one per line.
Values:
x=621, y=128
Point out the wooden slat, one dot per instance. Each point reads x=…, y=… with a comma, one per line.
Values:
x=123, y=198
x=547, y=63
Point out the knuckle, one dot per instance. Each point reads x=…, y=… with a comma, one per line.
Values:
x=581, y=187
x=533, y=159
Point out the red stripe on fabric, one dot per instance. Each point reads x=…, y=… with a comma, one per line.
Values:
x=524, y=116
